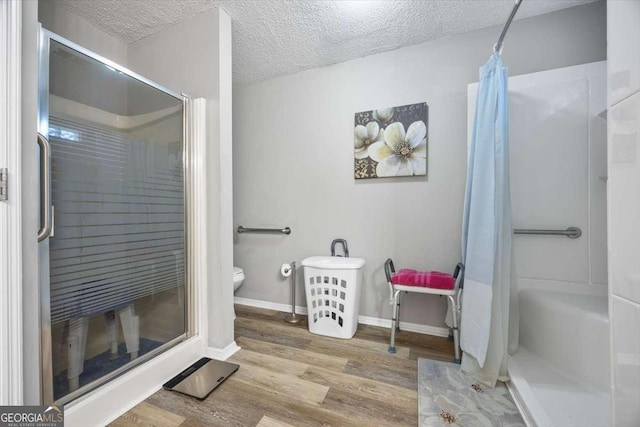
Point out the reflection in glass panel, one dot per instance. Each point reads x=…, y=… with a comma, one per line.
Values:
x=117, y=270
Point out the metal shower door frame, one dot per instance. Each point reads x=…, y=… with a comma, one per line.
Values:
x=46, y=362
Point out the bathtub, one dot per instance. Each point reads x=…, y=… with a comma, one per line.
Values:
x=560, y=374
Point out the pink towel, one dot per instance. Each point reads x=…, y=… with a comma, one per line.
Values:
x=424, y=279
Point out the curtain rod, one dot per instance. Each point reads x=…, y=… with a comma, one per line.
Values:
x=498, y=46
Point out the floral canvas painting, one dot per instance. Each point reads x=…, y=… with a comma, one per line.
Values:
x=391, y=142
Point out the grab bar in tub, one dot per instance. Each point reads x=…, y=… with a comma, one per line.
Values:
x=285, y=230
x=571, y=232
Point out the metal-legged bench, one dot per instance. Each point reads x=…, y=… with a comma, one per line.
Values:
x=452, y=294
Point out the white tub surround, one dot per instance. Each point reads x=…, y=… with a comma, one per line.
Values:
x=569, y=330
x=558, y=119
x=560, y=373
x=623, y=52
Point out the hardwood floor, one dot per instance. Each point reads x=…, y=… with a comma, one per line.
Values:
x=290, y=377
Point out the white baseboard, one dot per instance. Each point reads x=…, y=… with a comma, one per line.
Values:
x=405, y=326
x=103, y=405
x=365, y=320
x=222, y=354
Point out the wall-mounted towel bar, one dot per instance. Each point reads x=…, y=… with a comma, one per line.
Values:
x=285, y=230
x=571, y=232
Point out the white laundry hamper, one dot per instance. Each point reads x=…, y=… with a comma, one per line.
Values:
x=333, y=287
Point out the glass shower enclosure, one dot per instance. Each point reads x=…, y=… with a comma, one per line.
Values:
x=112, y=243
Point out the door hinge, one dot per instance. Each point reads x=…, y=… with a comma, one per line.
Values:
x=4, y=189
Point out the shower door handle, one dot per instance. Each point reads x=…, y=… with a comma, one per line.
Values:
x=46, y=207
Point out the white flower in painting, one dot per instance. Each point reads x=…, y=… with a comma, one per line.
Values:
x=383, y=115
x=365, y=137
x=401, y=154
x=454, y=409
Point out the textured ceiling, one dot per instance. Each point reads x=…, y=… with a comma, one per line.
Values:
x=277, y=37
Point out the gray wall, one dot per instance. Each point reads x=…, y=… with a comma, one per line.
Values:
x=293, y=156
x=70, y=26
x=194, y=57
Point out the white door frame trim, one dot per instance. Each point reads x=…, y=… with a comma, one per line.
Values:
x=11, y=345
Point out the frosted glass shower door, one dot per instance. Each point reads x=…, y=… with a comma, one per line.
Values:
x=112, y=269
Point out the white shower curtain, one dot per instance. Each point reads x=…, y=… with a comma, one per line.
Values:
x=487, y=233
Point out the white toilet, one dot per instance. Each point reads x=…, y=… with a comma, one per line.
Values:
x=238, y=278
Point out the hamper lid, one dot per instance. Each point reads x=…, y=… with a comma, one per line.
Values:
x=333, y=262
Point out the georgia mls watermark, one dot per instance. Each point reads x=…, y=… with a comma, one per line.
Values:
x=31, y=416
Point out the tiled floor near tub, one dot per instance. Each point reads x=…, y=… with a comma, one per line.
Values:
x=446, y=396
